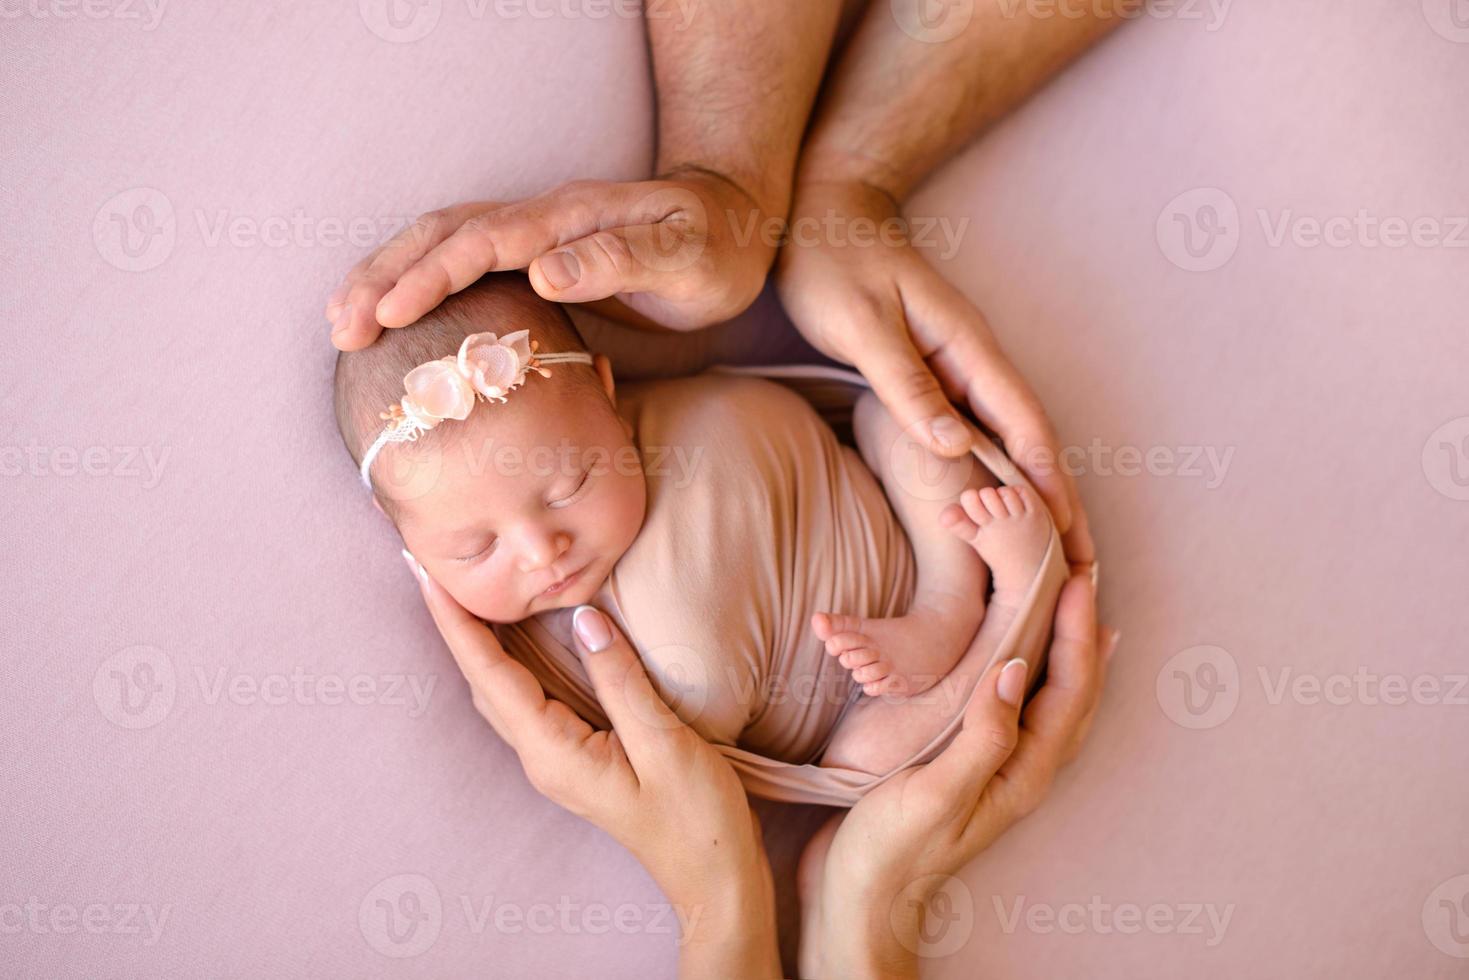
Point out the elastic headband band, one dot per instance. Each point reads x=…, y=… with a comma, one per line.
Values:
x=487, y=368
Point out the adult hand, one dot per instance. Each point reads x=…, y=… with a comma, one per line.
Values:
x=652, y=783
x=681, y=252
x=878, y=306
x=867, y=875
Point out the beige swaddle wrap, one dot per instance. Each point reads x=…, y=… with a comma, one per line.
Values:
x=758, y=516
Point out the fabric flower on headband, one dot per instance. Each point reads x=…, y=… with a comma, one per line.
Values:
x=487, y=368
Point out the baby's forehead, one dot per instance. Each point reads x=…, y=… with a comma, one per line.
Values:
x=505, y=453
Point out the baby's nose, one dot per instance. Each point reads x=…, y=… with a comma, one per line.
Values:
x=543, y=549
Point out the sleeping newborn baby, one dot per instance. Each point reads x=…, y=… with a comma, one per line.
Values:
x=771, y=583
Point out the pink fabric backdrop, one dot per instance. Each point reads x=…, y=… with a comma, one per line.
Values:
x=234, y=745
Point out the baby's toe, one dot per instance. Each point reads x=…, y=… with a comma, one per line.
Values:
x=853, y=659
x=1027, y=498
x=875, y=671
x=993, y=503
x=957, y=522
x=846, y=642
x=888, y=685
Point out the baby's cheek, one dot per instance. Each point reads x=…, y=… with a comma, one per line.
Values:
x=627, y=515
x=485, y=597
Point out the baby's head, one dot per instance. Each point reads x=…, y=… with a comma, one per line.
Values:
x=504, y=506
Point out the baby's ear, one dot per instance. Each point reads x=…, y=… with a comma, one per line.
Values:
x=603, y=367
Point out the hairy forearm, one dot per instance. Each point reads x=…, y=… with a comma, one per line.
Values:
x=736, y=81
x=898, y=106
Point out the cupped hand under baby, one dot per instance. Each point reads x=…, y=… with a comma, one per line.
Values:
x=867, y=875
x=651, y=782
x=670, y=250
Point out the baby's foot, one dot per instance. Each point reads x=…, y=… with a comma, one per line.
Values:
x=1010, y=529
x=902, y=655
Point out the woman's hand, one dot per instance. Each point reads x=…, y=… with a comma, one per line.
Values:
x=867, y=875
x=681, y=252
x=652, y=783
x=878, y=306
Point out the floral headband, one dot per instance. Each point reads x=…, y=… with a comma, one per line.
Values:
x=487, y=368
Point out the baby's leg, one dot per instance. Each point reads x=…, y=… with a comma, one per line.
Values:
x=1010, y=529
x=908, y=654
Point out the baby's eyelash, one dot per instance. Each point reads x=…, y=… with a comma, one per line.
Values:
x=478, y=554
x=585, y=478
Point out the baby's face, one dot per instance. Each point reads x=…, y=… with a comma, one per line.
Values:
x=534, y=503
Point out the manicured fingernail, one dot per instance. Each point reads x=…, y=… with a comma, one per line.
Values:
x=948, y=432
x=1012, y=682
x=343, y=318
x=561, y=269
x=591, y=628
x=414, y=566
x=1112, y=645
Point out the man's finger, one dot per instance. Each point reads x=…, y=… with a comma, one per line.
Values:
x=353, y=310
x=494, y=240
x=642, y=720
x=886, y=357
x=964, y=352
x=632, y=259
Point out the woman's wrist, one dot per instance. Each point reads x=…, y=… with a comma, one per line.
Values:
x=727, y=925
x=860, y=940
